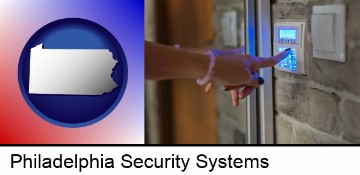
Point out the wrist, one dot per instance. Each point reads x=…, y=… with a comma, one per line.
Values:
x=198, y=64
x=210, y=70
x=194, y=64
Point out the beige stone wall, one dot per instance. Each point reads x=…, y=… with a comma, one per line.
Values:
x=324, y=105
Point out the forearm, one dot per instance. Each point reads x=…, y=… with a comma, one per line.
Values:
x=166, y=62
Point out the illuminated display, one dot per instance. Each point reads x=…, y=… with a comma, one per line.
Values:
x=287, y=34
x=290, y=35
x=290, y=61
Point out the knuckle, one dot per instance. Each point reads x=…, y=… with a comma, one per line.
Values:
x=247, y=75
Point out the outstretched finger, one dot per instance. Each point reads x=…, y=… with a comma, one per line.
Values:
x=272, y=61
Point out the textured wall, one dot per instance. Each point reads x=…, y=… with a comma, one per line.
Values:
x=324, y=105
x=231, y=121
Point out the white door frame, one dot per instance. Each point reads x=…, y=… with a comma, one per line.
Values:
x=265, y=100
x=260, y=114
x=251, y=100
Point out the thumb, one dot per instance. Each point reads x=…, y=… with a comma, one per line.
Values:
x=255, y=80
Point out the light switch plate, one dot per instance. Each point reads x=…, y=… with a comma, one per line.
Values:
x=229, y=28
x=323, y=32
x=328, y=32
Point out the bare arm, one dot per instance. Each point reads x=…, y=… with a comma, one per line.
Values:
x=165, y=62
x=232, y=69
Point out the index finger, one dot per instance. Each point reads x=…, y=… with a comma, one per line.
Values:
x=272, y=61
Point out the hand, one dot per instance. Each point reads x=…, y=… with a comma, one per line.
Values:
x=238, y=71
x=218, y=53
x=246, y=66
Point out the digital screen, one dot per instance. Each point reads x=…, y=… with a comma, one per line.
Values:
x=287, y=34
